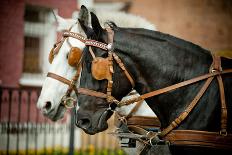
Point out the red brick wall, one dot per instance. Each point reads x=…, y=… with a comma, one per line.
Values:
x=11, y=41
x=204, y=22
x=12, y=35
x=65, y=7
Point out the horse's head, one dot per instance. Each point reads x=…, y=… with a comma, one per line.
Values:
x=64, y=61
x=98, y=93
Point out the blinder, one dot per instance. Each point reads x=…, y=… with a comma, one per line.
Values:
x=74, y=56
x=55, y=50
x=101, y=68
x=51, y=55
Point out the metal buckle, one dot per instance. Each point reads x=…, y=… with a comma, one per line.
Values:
x=151, y=143
x=72, y=83
x=110, y=47
x=123, y=120
x=155, y=140
x=223, y=132
x=68, y=102
x=213, y=70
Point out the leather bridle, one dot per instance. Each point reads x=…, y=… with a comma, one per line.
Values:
x=111, y=56
x=67, y=100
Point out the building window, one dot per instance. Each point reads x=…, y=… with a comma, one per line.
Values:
x=31, y=55
x=39, y=37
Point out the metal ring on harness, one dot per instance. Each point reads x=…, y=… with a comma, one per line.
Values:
x=68, y=102
x=154, y=139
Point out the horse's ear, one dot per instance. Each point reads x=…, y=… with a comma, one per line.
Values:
x=96, y=24
x=84, y=15
x=62, y=23
x=87, y=30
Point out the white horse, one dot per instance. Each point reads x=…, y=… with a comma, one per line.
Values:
x=52, y=91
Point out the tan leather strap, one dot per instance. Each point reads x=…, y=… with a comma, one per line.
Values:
x=57, y=46
x=110, y=80
x=190, y=107
x=141, y=131
x=70, y=83
x=223, y=107
x=199, y=138
x=136, y=107
x=92, y=53
x=59, y=78
x=110, y=34
x=216, y=66
x=121, y=65
x=89, y=92
x=172, y=87
x=143, y=121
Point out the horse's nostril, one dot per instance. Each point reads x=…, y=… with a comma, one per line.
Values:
x=84, y=123
x=48, y=106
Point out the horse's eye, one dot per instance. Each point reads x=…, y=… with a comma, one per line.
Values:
x=67, y=55
x=105, y=55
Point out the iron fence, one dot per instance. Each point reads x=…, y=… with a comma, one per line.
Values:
x=23, y=129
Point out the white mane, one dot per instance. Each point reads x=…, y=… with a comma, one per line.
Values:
x=121, y=19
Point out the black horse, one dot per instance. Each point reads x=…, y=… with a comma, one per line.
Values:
x=155, y=60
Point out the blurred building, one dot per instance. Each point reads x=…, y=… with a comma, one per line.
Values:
x=27, y=33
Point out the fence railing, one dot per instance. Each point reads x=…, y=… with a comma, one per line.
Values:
x=23, y=129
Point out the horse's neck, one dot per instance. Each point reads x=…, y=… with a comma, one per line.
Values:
x=162, y=61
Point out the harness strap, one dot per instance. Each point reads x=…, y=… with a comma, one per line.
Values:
x=172, y=87
x=70, y=83
x=121, y=65
x=190, y=107
x=89, y=92
x=199, y=138
x=217, y=66
x=223, y=107
x=142, y=121
x=136, y=107
x=57, y=46
x=59, y=78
